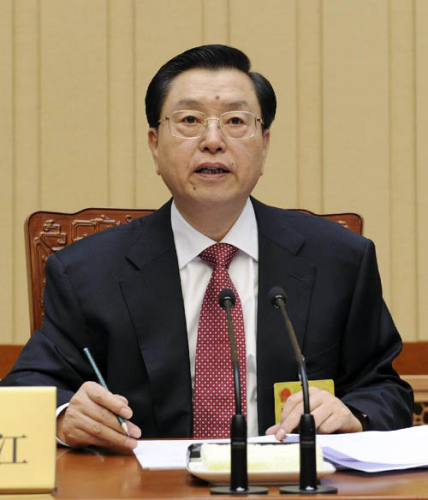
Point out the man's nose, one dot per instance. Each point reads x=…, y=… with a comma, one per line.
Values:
x=213, y=138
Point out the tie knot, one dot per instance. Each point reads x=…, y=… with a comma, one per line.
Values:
x=220, y=254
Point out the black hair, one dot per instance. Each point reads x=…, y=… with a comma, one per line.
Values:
x=212, y=57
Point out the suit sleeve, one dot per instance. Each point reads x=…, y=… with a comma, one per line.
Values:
x=367, y=380
x=53, y=356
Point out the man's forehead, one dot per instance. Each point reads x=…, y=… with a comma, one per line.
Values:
x=224, y=87
x=189, y=102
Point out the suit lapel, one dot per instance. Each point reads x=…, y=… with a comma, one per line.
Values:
x=154, y=299
x=279, y=265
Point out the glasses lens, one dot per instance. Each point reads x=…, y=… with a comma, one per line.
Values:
x=238, y=124
x=187, y=124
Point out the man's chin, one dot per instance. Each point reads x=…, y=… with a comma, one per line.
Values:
x=219, y=201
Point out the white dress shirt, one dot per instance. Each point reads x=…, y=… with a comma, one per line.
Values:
x=195, y=275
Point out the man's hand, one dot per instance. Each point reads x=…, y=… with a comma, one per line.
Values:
x=330, y=414
x=91, y=419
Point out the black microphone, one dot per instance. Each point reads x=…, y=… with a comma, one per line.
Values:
x=278, y=298
x=226, y=296
x=238, y=426
x=307, y=431
x=227, y=300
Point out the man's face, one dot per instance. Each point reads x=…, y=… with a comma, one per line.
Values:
x=211, y=170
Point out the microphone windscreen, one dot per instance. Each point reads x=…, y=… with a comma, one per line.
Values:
x=224, y=295
x=275, y=293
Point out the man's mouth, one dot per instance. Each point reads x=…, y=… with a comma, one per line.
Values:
x=214, y=170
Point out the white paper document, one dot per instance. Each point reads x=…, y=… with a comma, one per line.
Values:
x=165, y=454
x=370, y=451
x=377, y=451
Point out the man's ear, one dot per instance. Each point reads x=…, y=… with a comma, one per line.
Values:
x=266, y=143
x=153, y=140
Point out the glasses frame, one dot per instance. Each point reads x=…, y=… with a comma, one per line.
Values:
x=205, y=123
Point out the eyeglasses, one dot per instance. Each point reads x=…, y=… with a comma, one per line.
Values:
x=188, y=124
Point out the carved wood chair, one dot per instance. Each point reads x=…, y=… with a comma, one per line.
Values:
x=412, y=365
x=48, y=232
x=8, y=355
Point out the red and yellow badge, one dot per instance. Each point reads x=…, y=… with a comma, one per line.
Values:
x=283, y=390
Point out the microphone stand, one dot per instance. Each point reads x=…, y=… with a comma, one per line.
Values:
x=308, y=482
x=238, y=428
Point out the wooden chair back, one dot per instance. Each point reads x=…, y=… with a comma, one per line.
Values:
x=8, y=355
x=48, y=232
x=412, y=365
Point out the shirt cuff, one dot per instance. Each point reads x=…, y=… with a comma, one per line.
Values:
x=59, y=410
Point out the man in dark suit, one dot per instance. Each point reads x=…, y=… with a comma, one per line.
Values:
x=133, y=295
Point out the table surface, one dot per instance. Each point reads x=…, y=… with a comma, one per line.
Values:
x=91, y=474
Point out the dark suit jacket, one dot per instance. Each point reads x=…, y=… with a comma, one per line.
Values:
x=118, y=292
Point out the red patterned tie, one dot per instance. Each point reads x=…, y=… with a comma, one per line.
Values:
x=213, y=395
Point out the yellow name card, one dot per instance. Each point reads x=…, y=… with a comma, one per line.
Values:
x=27, y=439
x=283, y=390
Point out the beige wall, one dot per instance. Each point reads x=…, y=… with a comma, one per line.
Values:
x=351, y=134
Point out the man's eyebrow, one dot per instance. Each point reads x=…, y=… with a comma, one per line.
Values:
x=238, y=105
x=189, y=102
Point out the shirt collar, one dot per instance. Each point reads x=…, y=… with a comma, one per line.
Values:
x=189, y=242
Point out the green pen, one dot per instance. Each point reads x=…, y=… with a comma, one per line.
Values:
x=103, y=383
